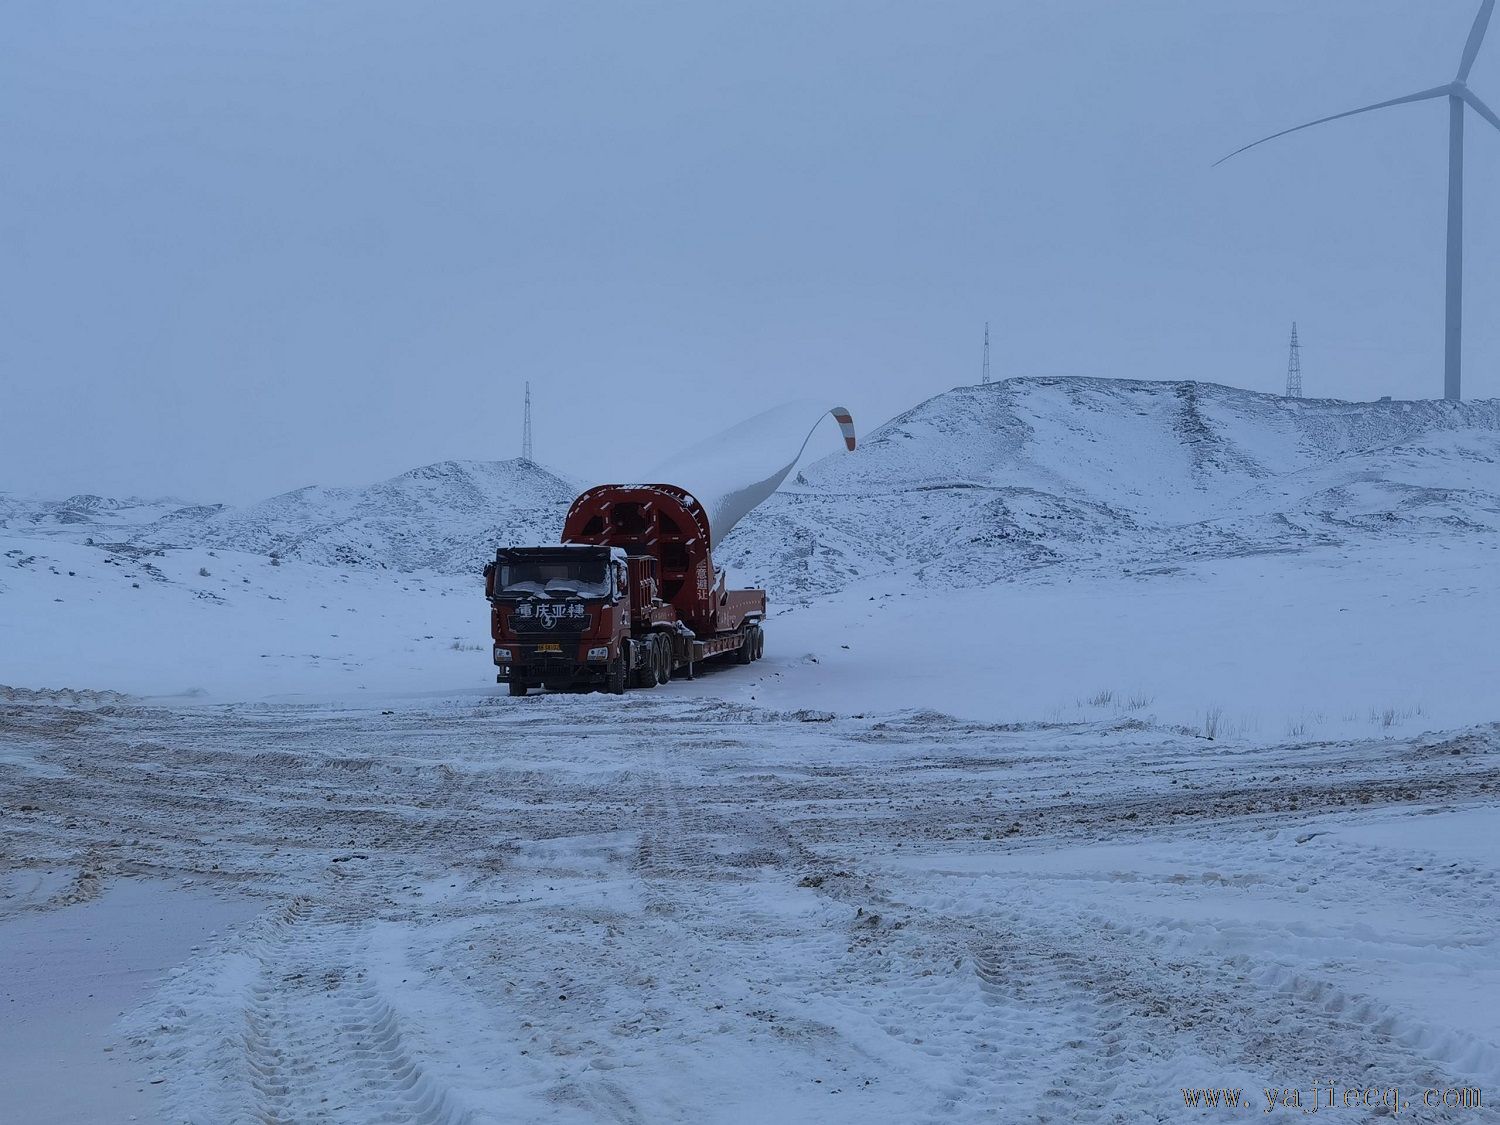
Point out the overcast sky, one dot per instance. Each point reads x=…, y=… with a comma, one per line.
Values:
x=250, y=246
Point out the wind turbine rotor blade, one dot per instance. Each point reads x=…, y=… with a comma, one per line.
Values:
x=1480, y=108
x=1420, y=96
x=1476, y=37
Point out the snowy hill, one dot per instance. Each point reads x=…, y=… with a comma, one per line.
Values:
x=987, y=481
x=447, y=516
x=974, y=485
x=86, y=516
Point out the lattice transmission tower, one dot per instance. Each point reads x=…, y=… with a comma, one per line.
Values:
x=526, y=427
x=1294, y=367
x=984, y=371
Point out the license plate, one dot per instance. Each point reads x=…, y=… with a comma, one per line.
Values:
x=549, y=648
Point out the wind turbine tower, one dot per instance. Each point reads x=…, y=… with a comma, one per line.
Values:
x=1458, y=94
x=984, y=376
x=526, y=428
x=1294, y=367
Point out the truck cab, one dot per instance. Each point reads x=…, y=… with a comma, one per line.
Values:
x=560, y=616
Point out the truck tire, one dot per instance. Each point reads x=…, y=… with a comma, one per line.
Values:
x=746, y=652
x=640, y=658
x=651, y=670
x=760, y=642
x=614, y=679
x=517, y=687
x=663, y=656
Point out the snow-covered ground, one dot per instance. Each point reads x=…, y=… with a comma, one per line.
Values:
x=1392, y=638
x=251, y=628
x=680, y=909
x=1396, y=638
x=1112, y=738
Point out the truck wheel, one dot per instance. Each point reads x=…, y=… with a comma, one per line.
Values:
x=760, y=642
x=517, y=687
x=651, y=663
x=614, y=679
x=663, y=656
x=642, y=673
x=746, y=652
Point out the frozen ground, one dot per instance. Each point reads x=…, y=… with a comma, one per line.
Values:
x=683, y=909
x=1112, y=738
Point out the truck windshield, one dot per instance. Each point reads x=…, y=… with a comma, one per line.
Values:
x=572, y=573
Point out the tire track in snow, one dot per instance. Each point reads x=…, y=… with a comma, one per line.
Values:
x=307, y=1036
x=956, y=1002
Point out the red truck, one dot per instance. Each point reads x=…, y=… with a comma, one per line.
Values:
x=630, y=597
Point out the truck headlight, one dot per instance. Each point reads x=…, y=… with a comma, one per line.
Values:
x=601, y=653
x=502, y=655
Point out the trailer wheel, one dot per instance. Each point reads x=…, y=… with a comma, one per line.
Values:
x=517, y=687
x=614, y=680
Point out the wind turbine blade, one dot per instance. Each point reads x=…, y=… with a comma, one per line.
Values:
x=734, y=472
x=1480, y=108
x=1421, y=96
x=1476, y=37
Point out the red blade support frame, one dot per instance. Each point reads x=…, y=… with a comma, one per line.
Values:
x=666, y=523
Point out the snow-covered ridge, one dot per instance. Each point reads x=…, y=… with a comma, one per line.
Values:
x=986, y=481
x=446, y=516
x=86, y=513
x=972, y=485
x=1169, y=452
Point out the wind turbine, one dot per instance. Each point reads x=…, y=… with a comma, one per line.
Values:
x=1457, y=92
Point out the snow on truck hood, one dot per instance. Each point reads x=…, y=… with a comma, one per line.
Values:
x=735, y=471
